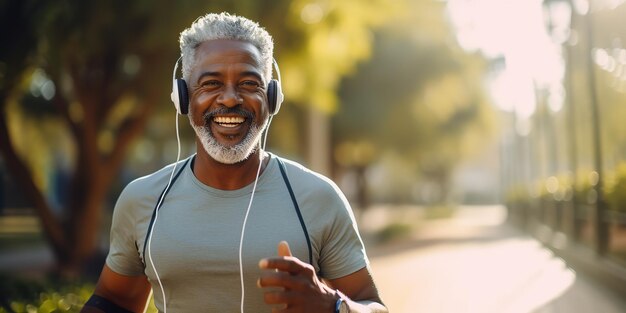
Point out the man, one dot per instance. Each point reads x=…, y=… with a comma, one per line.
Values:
x=233, y=228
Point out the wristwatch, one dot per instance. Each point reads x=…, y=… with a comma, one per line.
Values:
x=341, y=306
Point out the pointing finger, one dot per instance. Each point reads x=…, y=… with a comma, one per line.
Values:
x=283, y=249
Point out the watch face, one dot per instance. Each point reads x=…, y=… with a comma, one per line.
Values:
x=343, y=307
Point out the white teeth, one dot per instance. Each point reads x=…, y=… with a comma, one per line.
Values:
x=231, y=120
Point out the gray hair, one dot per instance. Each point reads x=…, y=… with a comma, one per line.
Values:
x=225, y=26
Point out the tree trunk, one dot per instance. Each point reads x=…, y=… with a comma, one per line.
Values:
x=74, y=237
x=23, y=177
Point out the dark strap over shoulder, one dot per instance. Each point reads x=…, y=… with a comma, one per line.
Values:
x=281, y=165
x=160, y=200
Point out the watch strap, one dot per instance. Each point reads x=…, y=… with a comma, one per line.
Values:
x=341, y=301
x=338, y=304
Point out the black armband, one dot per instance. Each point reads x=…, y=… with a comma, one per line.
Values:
x=105, y=305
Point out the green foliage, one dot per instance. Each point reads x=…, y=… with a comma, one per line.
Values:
x=51, y=302
x=556, y=188
x=329, y=39
x=517, y=194
x=584, y=190
x=21, y=296
x=616, y=189
x=419, y=95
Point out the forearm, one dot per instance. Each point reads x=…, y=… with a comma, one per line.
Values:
x=366, y=306
x=358, y=291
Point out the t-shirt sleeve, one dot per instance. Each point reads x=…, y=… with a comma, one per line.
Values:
x=343, y=252
x=123, y=257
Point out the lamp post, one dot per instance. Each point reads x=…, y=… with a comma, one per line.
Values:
x=557, y=16
x=600, y=225
x=573, y=148
x=559, y=19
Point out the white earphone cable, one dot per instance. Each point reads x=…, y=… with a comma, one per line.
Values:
x=156, y=216
x=245, y=219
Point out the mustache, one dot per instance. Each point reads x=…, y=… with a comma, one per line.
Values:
x=227, y=111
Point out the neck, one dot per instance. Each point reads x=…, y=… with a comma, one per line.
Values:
x=228, y=176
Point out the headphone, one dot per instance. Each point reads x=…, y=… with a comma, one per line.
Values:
x=180, y=93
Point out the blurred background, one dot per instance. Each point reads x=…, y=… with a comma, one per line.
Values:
x=482, y=143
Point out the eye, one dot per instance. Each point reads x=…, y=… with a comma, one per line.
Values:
x=250, y=83
x=210, y=83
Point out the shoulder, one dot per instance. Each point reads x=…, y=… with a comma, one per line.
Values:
x=306, y=177
x=308, y=184
x=151, y=185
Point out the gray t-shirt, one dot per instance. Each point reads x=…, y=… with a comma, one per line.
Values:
x=195, y=241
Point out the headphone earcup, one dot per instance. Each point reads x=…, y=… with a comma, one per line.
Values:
x=274, y=96
x=180, y=96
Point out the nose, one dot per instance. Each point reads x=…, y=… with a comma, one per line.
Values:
x=230, y=96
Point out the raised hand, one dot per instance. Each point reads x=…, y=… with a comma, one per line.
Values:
x=292, y=285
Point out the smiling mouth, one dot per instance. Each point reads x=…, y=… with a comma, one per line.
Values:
x=229, y=121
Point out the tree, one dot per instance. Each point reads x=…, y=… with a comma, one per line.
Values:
x=105, y=66
x=99, y=64
x=418, y=97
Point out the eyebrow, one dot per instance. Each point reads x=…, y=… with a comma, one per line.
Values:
x=207, y=73
x=253, y=73
x=218, y=74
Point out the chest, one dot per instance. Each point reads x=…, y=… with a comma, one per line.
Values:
x=195, y=238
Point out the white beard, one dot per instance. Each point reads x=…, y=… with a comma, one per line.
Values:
x=229, y=155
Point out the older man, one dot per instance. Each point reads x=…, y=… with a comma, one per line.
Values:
x=233, y=227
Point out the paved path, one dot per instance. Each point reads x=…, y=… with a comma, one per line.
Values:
x=475, y=263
